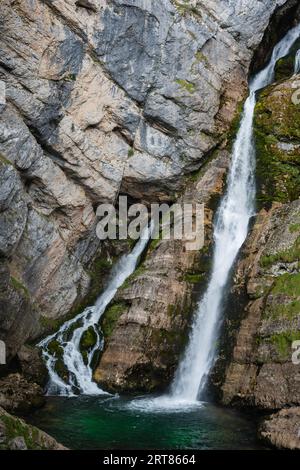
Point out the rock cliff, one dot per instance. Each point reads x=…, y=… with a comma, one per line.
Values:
x=15, y=434
x=264, y=310
x=137, y=97
x=102, y=98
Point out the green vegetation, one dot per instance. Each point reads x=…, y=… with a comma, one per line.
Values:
x=17, y=285
x=288, y=284
x=194, y=278
x=184, y=8
x=287, y=310
x=55, y=348
x=130, y=152
x=14, y=427
x=87, y=342
x=277, y=121
x=287, y=256
x=200, y=57
x=186, y=85
x=4, y=160
x=138, y=272
x=53, y=324
x=284, y=298
x=71, y=77
x=285, y=67
x=88, y=339
x=294, y=228
x=232, y=133
x=110, y=318
x=283, y=342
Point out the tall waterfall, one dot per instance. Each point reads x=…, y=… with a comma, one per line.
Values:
x=297, y=63
x=230, y=231
x=69, y=335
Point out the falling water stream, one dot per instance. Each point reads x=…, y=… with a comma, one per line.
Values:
x=80, y=371
x=230, y=231
x=297, y=63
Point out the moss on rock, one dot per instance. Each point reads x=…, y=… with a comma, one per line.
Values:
x=110, y=318
x=285, y=66
x=286, y=256
x=277, y=133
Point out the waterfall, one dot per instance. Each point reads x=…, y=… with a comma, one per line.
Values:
x=297, y=62
x=230, y=231
x=68, y=337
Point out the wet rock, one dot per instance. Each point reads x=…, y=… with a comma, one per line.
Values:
x=282, y=429
x=263, y=317
x=15, y=434
x=146, y=326
x=277, y=121
x=260, y=371
x=17, y=443
x=17, y=395
x=32, y=365
x=103, y=97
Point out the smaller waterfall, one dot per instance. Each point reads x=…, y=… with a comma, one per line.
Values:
x=69, y=335
x=297, y=63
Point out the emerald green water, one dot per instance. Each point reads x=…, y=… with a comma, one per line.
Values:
x=114, y=423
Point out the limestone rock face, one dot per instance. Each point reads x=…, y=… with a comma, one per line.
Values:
x=261, y=372
x=103, y=97
x=18, y=395
x=146, y=327
x=263, y=324
x=282, y=429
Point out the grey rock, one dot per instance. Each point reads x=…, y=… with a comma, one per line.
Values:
x=102, y=98
x=17, y=443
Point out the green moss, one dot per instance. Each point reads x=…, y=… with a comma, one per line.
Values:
x=288, y=310
x=200, y=57
x=287, y=256
x=98, y=272
x=130, y=152
x=232, y=133
x=4, y=160
x=186, y=85
x=55, y=348
x=71, y=77
x=277, y=120
x=171, y=310
x=138, y=272
x=52, y=324
x=17, y=285
x=288, y=284
x=110, y=318
x=285, y=66
x=294, y=228
x=14, y=427
x=88, y=339
x=194, y=278
x=154, y=243
x=184, y=8
x=61, y=369
x=168, y=343
x=283, y=342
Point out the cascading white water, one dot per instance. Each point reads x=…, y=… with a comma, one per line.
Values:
x=297, y=63
x=69, y=335
x=230, y=231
